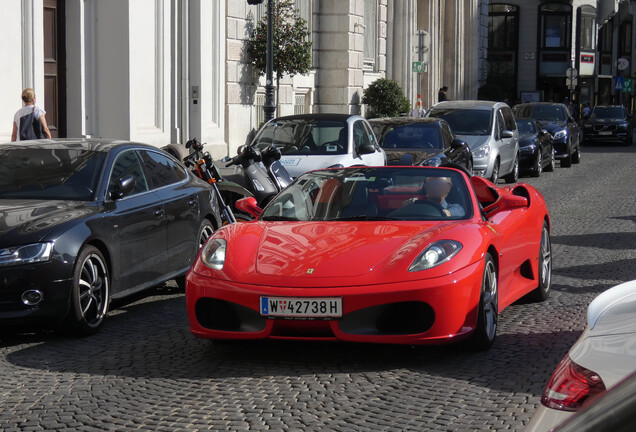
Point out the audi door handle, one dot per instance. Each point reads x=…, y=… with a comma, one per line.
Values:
x=159, y=213
x=192, y=203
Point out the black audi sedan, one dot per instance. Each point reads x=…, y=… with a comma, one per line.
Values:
x=536, y=148
x=420, y=141
x=556, y=119
x=608, y=124
x=83, y=222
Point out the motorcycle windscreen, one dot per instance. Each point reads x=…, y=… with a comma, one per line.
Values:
x=281, y=175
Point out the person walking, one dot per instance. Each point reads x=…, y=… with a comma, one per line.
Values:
x=30, y=121
x=441, y=95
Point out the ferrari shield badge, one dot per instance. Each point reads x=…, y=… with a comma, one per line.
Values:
x=310, y=271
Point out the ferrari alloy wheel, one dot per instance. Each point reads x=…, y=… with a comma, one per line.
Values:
x=514, y=174
x=542, y=292
x=550, y=167
x=205, y=232
x=538, y=165
x=90, y=292
x=484, y=335
x=495, y=172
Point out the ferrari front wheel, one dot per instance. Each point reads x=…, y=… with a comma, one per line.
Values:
x=486, y=330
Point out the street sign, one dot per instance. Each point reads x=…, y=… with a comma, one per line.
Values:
x=622, y=64
x=618, y=83
x=571, y=82
x=571, y=73
x=628, y=85
x=417, y=66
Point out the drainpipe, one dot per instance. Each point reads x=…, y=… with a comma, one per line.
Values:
x=184, y=37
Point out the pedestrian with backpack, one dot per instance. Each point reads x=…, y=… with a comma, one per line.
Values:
x=29, y=122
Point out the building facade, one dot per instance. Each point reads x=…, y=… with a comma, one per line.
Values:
x=532, y=44
x=163, y=71
x=615, y=51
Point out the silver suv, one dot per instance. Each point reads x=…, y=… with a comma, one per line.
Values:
x=490, y=130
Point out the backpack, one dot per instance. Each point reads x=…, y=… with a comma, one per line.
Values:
x=30, y=127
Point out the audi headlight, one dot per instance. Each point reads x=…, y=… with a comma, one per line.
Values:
x=26, y=254
x=561, y=134
x=434, y=162
x=482, y=151
x=213, y=254
x=435, y=254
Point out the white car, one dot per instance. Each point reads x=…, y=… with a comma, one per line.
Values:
x=314, y=141
x=604, y=355
x=490, y=131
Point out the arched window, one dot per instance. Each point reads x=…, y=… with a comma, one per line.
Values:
x=587, y=28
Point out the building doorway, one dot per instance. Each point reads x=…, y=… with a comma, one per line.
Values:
x=55, y=67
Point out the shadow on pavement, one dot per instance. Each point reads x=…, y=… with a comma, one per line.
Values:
x=152, y=340
x=614, y=241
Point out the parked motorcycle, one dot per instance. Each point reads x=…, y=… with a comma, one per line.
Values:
x=203, y=166
x=259, y=172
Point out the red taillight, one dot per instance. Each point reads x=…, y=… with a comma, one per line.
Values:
x=570, y=386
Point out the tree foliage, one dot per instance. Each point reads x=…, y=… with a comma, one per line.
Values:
x=385, y=98
x=292, y=48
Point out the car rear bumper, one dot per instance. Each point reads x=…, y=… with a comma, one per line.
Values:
x=15, y=281
x=545, y=419
x=429, y=311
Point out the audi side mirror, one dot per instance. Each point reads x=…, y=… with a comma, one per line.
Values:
x=124, y=187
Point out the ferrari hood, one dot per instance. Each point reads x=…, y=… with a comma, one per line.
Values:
x=339, y=249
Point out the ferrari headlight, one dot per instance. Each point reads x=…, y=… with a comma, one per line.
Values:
x=482, y=151
x=435, y=254
x=213, y=253
x=561, y=134
x=26, y=254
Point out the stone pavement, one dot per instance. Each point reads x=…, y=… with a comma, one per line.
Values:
x=145, y=371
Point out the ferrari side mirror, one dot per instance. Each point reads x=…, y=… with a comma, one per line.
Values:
x=249, y=206
x=506, y=203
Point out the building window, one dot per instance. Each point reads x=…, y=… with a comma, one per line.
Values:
x=556, y=26
x=587, y=31
x=370, y=33
x=502, y=27
x=626, y=39
x=503, y=35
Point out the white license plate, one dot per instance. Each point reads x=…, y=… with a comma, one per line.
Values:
x=605, y=133
x=290, y=307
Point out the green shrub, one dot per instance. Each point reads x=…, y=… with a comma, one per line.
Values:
x=385, y=98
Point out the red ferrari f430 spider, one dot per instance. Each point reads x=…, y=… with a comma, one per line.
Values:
x=402, y=255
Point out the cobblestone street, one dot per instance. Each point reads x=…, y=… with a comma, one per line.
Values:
x=146, y=371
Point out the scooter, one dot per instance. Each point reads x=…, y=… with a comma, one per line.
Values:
x=259, y=172
x=203, y=166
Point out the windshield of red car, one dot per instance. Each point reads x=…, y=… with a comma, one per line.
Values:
x=49, y=173
x=305, y=137
x=385, y=193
